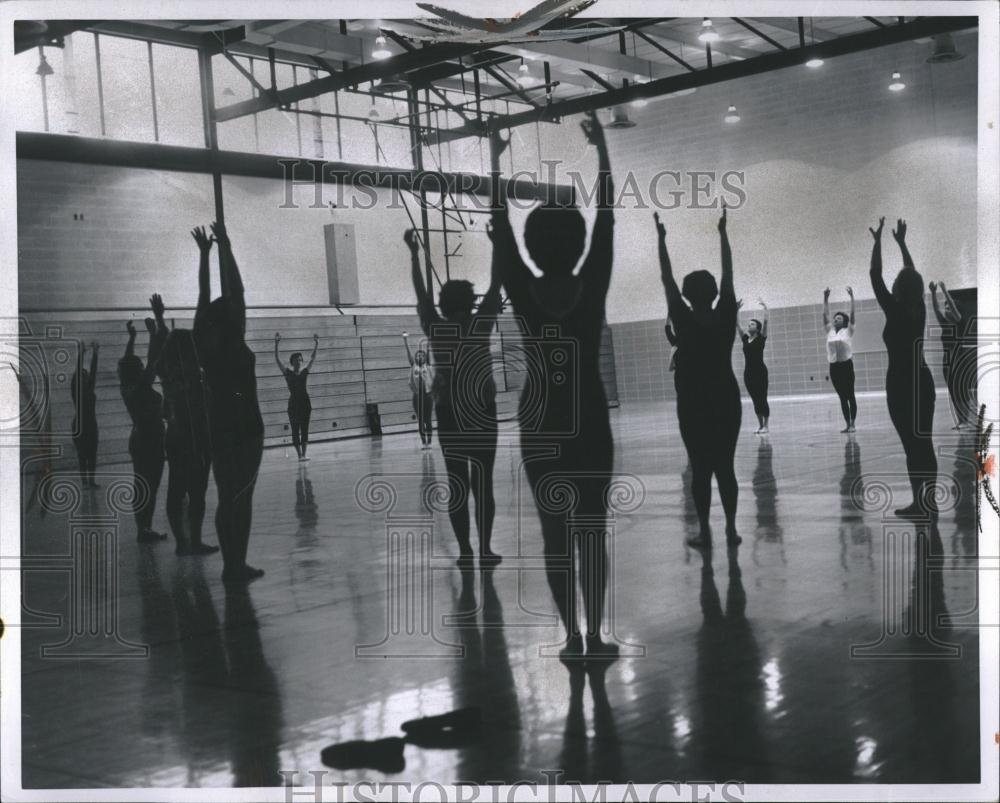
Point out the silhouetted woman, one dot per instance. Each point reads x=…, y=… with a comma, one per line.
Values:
x=299, y=403
x=234, y=420
x=85, y=435
x=146, y=441
x=465, y=398
x=840, y=355
x=422, y=388
x=188, y=445
x=755, y=369
x=909, y=386
x=709, y=409
x=566, y=441
x=956, y=372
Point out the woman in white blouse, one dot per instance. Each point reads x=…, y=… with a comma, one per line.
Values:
x=840, y=353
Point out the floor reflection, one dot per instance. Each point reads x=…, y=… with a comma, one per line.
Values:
x=854, y=534
x=768, y=527
x=483, y=678
x=225, y=673
x=732, y=682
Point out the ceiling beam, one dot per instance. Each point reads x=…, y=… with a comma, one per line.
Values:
x=154, y=156
x=768, y=62
x=791, y=25
x=404, y=62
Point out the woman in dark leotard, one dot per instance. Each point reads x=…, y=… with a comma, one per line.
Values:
x=85, y=434
x=422, y=390
x=465, y=398
x=956, y=370
x=234, y=420
x=755, y=369
x=188, y=445
x=709, y=410
x=145, y=443
x=909, y=386
x=566, y=441
x=299, y=403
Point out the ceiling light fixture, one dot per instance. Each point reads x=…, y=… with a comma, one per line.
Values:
x=619, y=118
x=381, y=51
x=524, y=77
x=708, y=33
x=732, y=116
x=897, y=84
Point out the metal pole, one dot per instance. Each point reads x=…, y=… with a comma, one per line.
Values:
x=211, y=128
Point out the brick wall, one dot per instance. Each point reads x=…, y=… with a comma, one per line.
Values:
x=795, y=353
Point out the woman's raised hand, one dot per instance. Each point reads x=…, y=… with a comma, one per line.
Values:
x=850, y=291
x=661, y=230
x=219, y=233
x=899, y=233
x=592, y=129
x=410, y=238
x=203, y=240
x=877, y=233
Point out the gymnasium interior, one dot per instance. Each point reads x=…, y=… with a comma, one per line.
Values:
x=837, y=645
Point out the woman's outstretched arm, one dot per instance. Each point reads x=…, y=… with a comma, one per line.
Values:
x=899, y=235
x=882, y=293
x=490, y=305
x=739, y=306
x=312, y=357
x=157, y=337
x=763, y=324
x=406, y=342
x=850, y=320
x=425, y=304
x=277, y=354
x=204, y=281
x=130, y=346
x=675, y=304
x=941, y=319
x=951, y=309
x=507, y=263
x=596, y=270
x=826, y=308
x=727, y=292
x=229, y=277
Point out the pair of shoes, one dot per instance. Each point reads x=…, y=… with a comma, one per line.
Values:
x=453, y=729
x=150, y=537
x=244, y=574
x=763, y=431
x=196, y=549
x=382, y=755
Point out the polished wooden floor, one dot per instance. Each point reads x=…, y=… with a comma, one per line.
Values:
x=737, y=665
